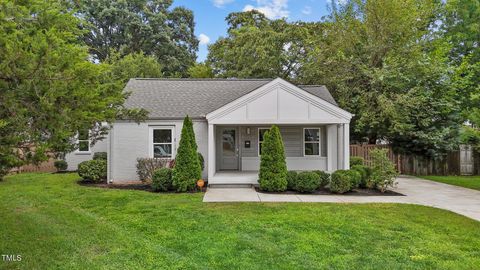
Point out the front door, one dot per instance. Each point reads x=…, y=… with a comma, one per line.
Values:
x=228, y=148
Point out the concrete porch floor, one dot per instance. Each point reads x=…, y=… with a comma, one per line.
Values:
x=460, y=200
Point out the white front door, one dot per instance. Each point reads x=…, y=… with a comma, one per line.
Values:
x=228, y=148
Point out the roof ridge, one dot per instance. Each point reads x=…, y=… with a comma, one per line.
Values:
x=311, y=85
x=203, y=79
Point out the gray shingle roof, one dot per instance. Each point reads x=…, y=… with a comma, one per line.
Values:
x=175, y=98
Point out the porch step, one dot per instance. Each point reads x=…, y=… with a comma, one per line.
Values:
x=230, y=185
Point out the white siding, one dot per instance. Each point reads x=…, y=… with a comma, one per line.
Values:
x=75, y=158
x=131, y=141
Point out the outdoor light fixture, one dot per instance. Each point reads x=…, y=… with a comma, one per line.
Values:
x=248, y=130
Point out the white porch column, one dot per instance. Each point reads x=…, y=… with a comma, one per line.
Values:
x=211, y=151
x=332, y=154
x=346, y=146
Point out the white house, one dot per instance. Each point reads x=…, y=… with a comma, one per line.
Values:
x=229, y=117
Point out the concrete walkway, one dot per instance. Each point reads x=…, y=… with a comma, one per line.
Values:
x=460, y=200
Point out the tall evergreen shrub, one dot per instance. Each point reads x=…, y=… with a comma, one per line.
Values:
x=191, y=132
x=187, y=168
x=273, y=167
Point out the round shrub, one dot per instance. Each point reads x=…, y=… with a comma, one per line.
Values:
x=100, y=155
x=93, y=170
x=356, y=161
x=355, y=178
x=60, y=165
x=365, y=173
x=324, y=178
x=307, y=182
x=162, y=180
x=340, y=181
x=291, y=179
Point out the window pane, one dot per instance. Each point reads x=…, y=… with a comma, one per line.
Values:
x=260, y=148
x=312, y=134
x=83, y=146
x=311, y=149
x=261, y=132
x=162, y=151
x=228, y=142
x=162, y=136
x=83, y=134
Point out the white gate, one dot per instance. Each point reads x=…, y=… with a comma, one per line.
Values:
x=466, y=160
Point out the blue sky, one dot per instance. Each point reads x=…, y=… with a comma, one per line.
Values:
x=210, y=14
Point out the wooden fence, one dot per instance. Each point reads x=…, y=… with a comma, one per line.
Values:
x=448, y=164
x=46, y=166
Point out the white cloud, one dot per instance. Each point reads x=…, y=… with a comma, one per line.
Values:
x=307, y=10
x=273, y=9
x=221, y=3
x=204, y=39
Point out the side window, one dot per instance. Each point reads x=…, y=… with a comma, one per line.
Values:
x=261, y=132
x=83, y=141
x=162, y=143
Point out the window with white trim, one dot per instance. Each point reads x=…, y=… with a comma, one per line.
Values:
x=83, y=140
x=261, y=133
x=162, y=142
x=311, y=141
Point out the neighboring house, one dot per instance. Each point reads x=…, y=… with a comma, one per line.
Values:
x=230, y=117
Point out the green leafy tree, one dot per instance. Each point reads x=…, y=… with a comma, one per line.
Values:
x=257, y=47
x=386, y=62
x=273, y=167
x=201, y=70
x=187, y=167
x=48, y=88
x=148, y=26
x=461, y=27
x=135, y=65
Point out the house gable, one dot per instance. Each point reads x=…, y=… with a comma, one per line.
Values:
x=279, y=102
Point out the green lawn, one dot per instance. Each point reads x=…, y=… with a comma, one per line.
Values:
x=55, y=223
x=472, y=182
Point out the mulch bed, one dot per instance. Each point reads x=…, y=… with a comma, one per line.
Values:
x=128, y=186
x=355, y=192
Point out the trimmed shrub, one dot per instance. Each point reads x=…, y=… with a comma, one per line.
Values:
x=291, y=179
x=100, y=155
x=273, y=167
x=162, y=180
x=93, y=170
x=60, y=165
x=187, y=168
x=147, y=166
x=324, y=178
x=383, y=171
x=340, y=182
x=364, y=173
x=355, y=178
x=356, y=161
x=307, y=182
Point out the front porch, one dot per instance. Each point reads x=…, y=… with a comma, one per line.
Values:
x=315, y=133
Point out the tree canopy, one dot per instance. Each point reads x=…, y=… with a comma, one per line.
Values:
x=147, y=26
x=48, y=87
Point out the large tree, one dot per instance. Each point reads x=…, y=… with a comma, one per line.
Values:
x=148, y=26
x=257, y=47
x=386, y=62
x=461, y=27
x=48, y=87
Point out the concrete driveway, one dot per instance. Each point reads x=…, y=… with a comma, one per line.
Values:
x=460, y=200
